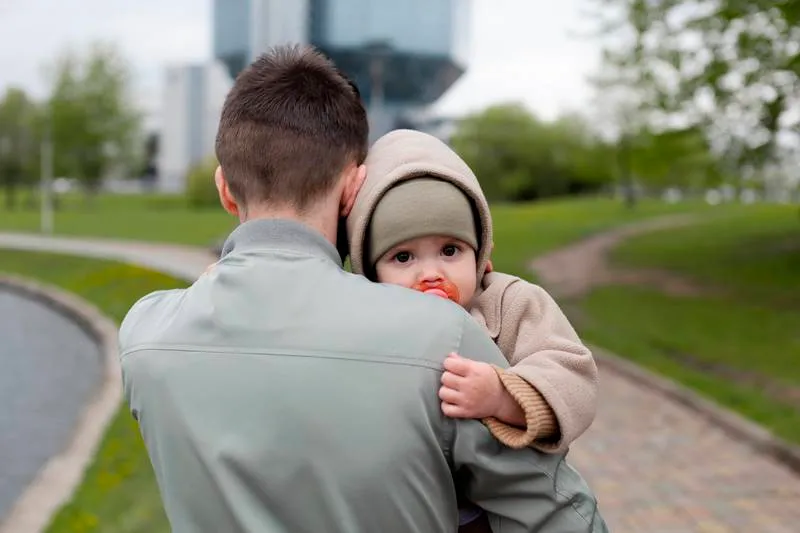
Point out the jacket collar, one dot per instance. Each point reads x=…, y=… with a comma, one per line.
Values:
x=279, y=234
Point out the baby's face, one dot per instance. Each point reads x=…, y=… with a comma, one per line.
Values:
x=436, y=265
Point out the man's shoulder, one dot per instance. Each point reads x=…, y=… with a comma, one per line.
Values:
x=407, y=319
x=146, y=315
x=396, y=299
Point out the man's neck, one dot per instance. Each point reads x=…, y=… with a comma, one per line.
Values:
x=317, y=219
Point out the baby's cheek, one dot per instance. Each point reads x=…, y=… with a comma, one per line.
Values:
x=466, y=291
x=388, y=273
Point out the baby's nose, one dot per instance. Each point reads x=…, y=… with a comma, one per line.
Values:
x=430, y=273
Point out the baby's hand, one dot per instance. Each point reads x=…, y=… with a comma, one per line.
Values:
x=470, y=389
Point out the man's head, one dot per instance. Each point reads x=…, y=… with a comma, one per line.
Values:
x=293, y=134
x=423, y=236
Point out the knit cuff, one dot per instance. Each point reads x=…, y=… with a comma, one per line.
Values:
x=541, y=425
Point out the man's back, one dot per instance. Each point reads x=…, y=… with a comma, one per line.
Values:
x=285, y=380
x=282, y=394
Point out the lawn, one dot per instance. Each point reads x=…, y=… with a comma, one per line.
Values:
x=136, y=217
x=527, y=230
x=754, y=251
x=521, y=231
x=738, y=343
x=118, y=493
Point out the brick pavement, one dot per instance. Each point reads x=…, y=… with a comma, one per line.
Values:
x=657, y=467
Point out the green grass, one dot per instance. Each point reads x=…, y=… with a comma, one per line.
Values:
x=118, y=493
x=753, y=251
x=740, y=344
x=524, y=231
x=521, y=231
x=136, y=217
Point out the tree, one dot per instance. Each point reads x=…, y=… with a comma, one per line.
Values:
x=675, y=158
x=94, y=126
x=729, y=68
x=19, y=143
x=518, y=157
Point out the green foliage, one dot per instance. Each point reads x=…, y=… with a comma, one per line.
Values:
x=201, y=191
x=94, y=127
x=88, y=116
x=728, y=67
x=517, y=157
x=19, y=143
x=674, y=158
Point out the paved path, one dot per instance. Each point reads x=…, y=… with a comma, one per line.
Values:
x=657, y=466
x=45, y=382
x=184, y=262
x=573, y=270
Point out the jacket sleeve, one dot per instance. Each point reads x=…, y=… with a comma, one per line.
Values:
x=522, y=490
x=553, y=375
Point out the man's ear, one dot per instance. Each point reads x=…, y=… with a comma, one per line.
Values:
x=225, y=196
x=354, y=180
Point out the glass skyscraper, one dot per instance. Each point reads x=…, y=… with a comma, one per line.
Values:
x=403, y=55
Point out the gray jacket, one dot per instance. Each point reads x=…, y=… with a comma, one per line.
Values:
x=281, y=394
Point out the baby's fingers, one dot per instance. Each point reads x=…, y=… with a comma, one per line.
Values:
x=452, y=381
x=457, y=365
x=454, y=411
x=449, y=395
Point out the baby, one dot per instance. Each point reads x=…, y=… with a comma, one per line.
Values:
x=421, y=221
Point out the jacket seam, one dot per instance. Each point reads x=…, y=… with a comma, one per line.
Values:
x=447, y=439
x=568, y=495
x=244, y=352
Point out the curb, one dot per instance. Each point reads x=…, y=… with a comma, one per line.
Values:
x=760, y=439
x=56, y=481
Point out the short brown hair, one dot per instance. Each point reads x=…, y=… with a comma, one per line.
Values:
x=289, y=126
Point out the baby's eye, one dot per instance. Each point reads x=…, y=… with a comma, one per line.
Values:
x=402, y=257
x=450, y=250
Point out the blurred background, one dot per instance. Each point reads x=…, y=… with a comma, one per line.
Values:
x=641, y=158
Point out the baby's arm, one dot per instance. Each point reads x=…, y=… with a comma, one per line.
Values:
x=473, y=389
x=513, y=409
x=553, y=380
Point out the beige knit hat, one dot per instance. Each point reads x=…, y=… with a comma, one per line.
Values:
x=417, y=208
x=403, y=155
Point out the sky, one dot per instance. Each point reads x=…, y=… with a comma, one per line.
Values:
x=532, y=51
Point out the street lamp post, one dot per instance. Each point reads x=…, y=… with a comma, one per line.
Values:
x=46, y=182
x=377, y=51
x=5, y=153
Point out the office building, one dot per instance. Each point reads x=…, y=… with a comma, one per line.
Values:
x=191, y=106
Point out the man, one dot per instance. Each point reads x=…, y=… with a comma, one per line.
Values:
x=280, y=393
